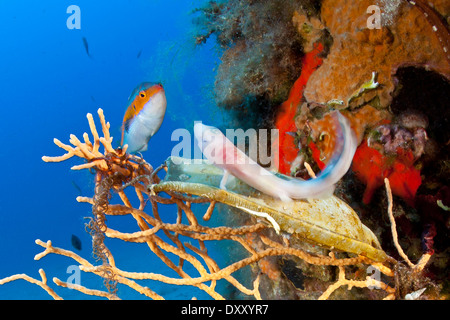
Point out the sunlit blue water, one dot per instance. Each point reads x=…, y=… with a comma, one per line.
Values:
x=49, y=84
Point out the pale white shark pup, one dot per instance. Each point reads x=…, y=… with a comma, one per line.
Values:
x=222, y=153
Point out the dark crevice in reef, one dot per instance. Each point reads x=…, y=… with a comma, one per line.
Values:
x=426, y=92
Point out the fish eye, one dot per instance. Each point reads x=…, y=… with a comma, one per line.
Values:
x=207, y=137
x=142, y=94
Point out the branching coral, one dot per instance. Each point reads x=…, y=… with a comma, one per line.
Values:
x=411, y=274
x=118, y=172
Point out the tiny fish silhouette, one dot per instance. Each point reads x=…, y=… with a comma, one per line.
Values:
x=139, y=54
x=86, y=47
x=76, y=242
x=77, y=187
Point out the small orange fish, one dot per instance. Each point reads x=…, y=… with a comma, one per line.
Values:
x=144, y=116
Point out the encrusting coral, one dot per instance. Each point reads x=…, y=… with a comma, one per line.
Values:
x=409, y=39
x=117, y=172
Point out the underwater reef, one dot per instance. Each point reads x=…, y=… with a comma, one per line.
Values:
x=288, y=65
x=390, y=81
x=312, y=236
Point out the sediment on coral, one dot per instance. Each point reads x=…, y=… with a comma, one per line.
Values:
x=188, y=240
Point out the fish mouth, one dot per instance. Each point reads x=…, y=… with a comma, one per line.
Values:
x=202, y=133
x=157, y=88
x=198, y=130
x=205, y=134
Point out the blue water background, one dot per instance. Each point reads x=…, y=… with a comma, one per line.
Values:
x=49, y=84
